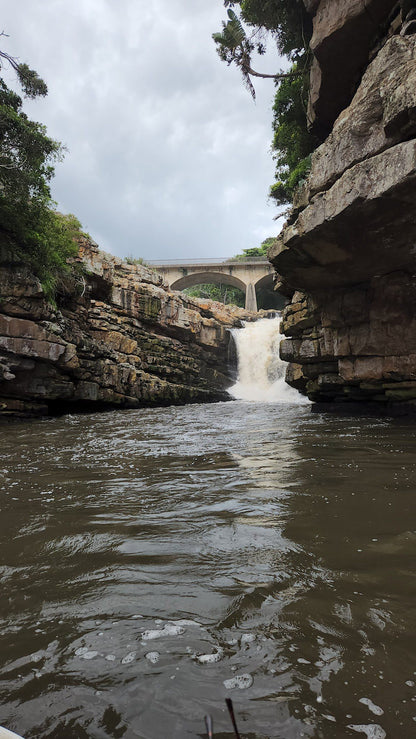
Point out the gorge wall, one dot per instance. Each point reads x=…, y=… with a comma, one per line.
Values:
x=347, y=255
x=119, y=339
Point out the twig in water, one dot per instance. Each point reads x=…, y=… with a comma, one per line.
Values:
x=231, y=712
x=210, y=726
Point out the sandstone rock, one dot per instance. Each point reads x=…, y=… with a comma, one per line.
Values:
x=295, y=377
x=32, y=348
x=365, y=217
x=352, y=354
x=127, y=342
x=13, y=407
x=380, y=112
x=343, y=34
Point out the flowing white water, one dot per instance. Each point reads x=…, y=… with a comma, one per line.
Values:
x=261, y=372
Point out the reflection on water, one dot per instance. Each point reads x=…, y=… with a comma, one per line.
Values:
x=154, y=562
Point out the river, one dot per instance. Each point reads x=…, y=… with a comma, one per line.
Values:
x=154, y=562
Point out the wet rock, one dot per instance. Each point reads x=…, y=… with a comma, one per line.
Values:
x=362, y=340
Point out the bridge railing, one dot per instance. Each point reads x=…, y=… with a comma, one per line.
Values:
x=202, y=262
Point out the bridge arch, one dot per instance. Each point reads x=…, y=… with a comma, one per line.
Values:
x=242, y=274
x=267, y=295
x=201, y=278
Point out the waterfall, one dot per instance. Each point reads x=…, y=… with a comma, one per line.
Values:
x=261, y=372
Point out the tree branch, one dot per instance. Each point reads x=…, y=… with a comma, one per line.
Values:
x=279, y=76
x=12, y=61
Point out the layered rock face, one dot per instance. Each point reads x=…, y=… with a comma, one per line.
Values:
x=347, y=255
x=123, y=341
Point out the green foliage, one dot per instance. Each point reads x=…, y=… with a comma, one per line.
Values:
x=233, y=34
x=256, y=251
x=292, y=142
x=45, y=246
x=290, y=26
x=290, y=133
x=282, y=191
x=286, y=19
x=26, y=156
x=30, y=81
x=130, y=259
x=34, y=232
x=219, y=292
x=266, y=244
x=234, y=46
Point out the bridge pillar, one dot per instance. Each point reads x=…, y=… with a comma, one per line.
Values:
x=251, y=298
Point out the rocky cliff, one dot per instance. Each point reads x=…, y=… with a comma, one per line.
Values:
x=347, y=255
x=119, y=339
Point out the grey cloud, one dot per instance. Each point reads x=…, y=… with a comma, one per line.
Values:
x=168, y=156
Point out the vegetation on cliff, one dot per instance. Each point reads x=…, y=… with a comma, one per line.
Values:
x=32, y=231
x=255, y=251
x=292, y=142
x=290, y=27
x=222, y=293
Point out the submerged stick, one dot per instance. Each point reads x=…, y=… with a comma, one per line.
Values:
x=231, y=712
x=210, y=726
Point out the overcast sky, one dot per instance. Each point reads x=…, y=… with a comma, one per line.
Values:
x=168, y=156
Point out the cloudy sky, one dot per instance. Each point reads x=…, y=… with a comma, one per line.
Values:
x=168, y=157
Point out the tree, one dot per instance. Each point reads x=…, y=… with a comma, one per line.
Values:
x=26, y=153
x=233, y=46
x=287, y=20
x=290, y=26
x=220, y=292
x=30, y=82
x=31, y=229
x=256, y=251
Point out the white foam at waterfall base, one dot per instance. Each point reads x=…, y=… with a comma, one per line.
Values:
x=261, y=372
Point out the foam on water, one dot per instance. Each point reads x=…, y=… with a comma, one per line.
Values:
x=130, y=657
x=261, y=372
x=85, y=653
x=207, y=659
x=169, y=629
x=372, y=731
x=152, y=657
x=242, y=682
x=372, y=706
x=247, y=638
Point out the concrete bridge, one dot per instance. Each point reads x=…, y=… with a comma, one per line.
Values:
x=252, y=275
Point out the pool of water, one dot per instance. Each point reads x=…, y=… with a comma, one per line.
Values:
x=155, y=562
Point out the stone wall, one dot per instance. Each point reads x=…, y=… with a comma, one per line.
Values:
x=347, y=254
x=120, y=338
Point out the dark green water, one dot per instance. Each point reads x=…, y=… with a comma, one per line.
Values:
x=280, y=541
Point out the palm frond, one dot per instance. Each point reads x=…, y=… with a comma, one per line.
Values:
x=248, y=83
x=235, y=30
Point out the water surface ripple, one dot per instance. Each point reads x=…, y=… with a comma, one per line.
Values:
x=153, y=562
